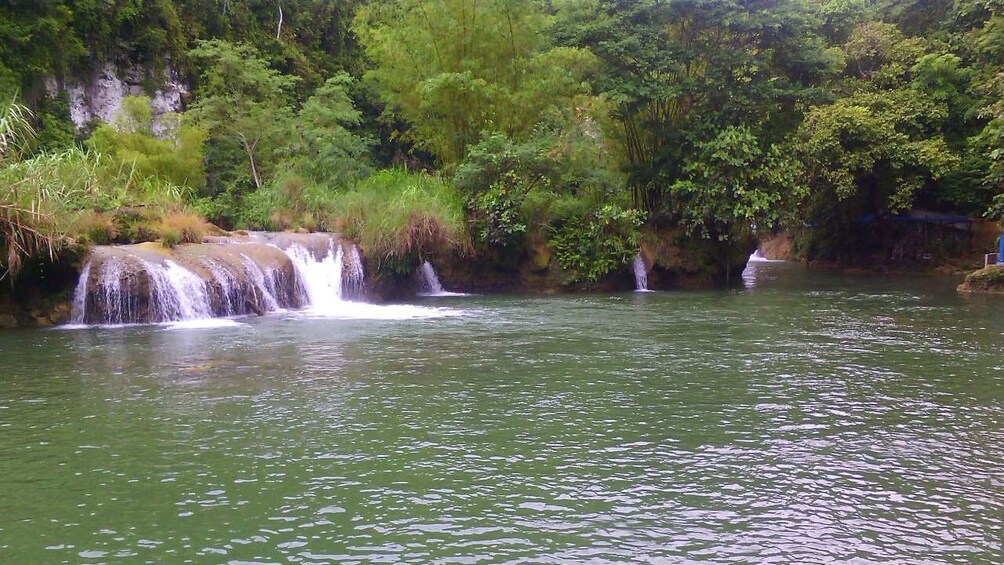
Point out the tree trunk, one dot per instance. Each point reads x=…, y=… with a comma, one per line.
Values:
x=278, y=29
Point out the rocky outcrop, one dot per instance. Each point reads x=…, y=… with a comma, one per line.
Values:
x=986, y=280
x=99, y=95
x=778, y=247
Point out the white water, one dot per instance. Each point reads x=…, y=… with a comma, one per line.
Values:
x=79, y=306
x=355, y=279
x=264, y=285
x=321, y=278
x=179, y=294
x=429, y=284
x=180, y=298
x=640, y=274
x=757, y=257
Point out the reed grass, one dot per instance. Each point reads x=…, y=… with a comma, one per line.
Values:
x=394, y=213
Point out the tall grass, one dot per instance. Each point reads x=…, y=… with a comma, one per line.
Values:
x=42, y=197
x=394, y=213
x=16, y=131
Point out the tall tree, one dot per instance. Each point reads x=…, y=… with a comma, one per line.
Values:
x=453, y=69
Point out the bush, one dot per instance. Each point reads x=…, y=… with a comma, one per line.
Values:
x=94, y=228
x=593, y=246
x=290, y=201
x=181, y=227
x=399, y=214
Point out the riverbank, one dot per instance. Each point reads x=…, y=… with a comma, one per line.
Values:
x=241, y=273
x=988, y=280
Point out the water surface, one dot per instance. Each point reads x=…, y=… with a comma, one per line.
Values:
x=810, y=418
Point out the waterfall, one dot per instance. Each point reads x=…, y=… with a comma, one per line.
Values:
x=321, y=279
x=233, y=276
x=79, y=306
x=116, y=306
x=177, y=293
x=354, y=284
x=262, y=286
x=757, y=257
x=640, y=273
x=429, y=284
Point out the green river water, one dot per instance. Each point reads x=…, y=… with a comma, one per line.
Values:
x=810, y=418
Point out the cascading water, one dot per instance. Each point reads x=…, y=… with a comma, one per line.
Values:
x=79, y=306
x=321, y=279
x=429, y=284
x=234, y=276
x=758, y=257
x=355, y=275
x=262, y=286
x=640, y=274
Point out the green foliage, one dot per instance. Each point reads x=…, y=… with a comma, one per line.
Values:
x=885, y=146
x=453, y=69
x=16, y=130
x=595, y=245
x=175, y=156
x=496, y=176
x=394, y=213
x=322, y=146
x=678, y=71
x=712, y=116
x=734, y=185
x=243, y=103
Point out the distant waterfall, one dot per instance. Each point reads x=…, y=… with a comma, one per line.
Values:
x=640, y=273
x=758, y=257
x=234, y=276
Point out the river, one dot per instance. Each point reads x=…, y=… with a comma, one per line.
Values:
x=808, y=418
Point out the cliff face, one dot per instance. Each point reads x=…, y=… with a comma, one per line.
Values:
x=98, y=96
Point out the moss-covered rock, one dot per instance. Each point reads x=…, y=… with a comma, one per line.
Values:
x=989, y=279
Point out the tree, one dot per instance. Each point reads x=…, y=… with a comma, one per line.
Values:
x=679, y=71
x=453, y=69
x=241, y=101
x=868, y=154
x=734, y=185
x=322, y=144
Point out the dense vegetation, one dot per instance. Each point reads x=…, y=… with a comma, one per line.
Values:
x=423, y=125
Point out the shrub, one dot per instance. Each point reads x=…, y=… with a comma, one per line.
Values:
x=181, y=227
x=94, y=228
x=399, y=214
x=593, y=246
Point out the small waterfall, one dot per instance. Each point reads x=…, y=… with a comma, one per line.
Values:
x=640, y=273
x=227, y=286
x=354, y=284
x=262, y=286
x=177, y=293
x=321, y=279
x=79, y=306
x=758, y=257
x=114, y=305
x=429, y=284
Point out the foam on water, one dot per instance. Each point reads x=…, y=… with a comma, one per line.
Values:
x=757, y=257
x=203, y=324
